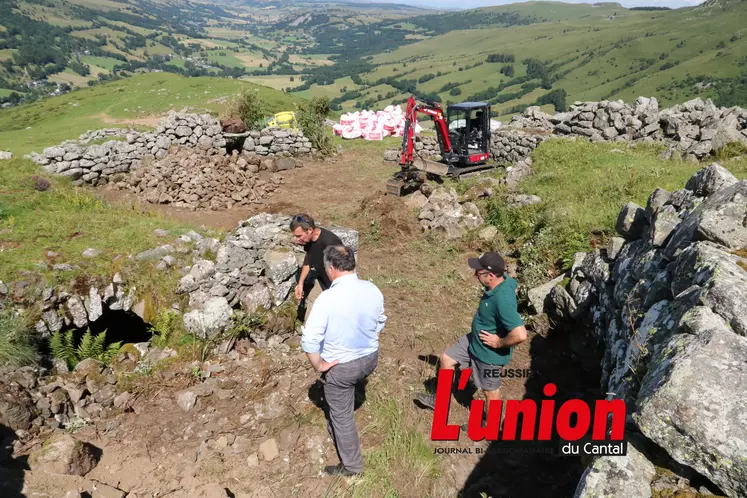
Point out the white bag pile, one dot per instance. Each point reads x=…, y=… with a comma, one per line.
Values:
x=373, y=125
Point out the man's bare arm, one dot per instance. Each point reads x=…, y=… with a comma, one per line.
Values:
x=516, y=336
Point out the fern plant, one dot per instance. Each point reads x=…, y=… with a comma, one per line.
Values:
x=91, y=346
x=163, y=328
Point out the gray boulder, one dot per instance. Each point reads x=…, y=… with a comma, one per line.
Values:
x=280, y=265
x=691, y=401
x=617, y=477
x=213, y=318
x=631, y=221
x=710, y=179
x=722, y=280
x=63, y=454
x=256, y=297
x=720, y=218
x=538, y=296
x=348, y=236
x=663, y=224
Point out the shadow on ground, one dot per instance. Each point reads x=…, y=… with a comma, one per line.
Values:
x=567, y=358
x=11, y=469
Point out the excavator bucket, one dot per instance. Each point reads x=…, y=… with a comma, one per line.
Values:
x=396, y=187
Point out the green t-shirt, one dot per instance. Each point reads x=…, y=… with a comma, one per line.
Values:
x=497, y=314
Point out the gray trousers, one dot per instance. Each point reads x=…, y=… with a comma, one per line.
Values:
x=339, y=392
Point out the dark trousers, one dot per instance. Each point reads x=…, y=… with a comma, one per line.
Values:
x=308, y=284
x=339, y=392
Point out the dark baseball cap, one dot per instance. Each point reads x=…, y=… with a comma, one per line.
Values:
x=489, y=261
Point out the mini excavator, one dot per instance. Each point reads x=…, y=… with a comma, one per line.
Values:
x=463, y=137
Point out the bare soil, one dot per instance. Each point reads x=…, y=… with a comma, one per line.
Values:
x=430, y=296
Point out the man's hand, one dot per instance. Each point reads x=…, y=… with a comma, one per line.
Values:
x=326, y=365
x=491, y=340
x=299, y=291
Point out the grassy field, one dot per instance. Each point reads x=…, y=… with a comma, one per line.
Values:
x=276, y=82
x=4, y=92
x=32, y=127
x=595, y=52
x=67, y=221
x=107, y=63
x=6, y=54
x=70, y=77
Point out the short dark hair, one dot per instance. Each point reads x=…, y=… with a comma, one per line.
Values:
x=340, y=258
x=302, y=220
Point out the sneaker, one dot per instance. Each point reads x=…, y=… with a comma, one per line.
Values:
x=339, y=470
x=426, y=400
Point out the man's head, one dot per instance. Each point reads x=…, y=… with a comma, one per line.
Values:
x=302, y=227
x=338, y=261
x=489, y=268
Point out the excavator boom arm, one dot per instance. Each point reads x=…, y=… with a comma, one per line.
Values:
x=435, y=111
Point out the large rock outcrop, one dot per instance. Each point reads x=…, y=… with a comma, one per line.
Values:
x=669, y=307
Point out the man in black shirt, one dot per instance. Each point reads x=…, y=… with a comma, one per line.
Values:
x=314, y=240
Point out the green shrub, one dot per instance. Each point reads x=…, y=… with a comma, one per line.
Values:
x=311, y=116
x=731, y=150
x=15, y=345
x=63, y=347
x=248, y=107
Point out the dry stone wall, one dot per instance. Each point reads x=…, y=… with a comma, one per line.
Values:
x=667, y=300
x=255, y=266
x=692, y=129
x=506, y=146
x=97, y=164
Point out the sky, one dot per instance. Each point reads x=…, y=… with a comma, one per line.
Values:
x=468, y=4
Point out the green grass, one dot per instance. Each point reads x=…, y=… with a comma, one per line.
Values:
x=583, y=186
x=403, y=461
x=107, y=63
x=50, y=121
x=6, y=54
x=4, y=92
x=15, y=345
x=67, y=221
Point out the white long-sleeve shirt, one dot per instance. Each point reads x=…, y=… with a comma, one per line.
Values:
x=345, y=320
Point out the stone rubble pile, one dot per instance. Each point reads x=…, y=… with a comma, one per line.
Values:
x=255, y=268
x=98, y=164
x=668, y=301
x=692, y=129
x=33, y=401
x=442, y=211
x=197, y=180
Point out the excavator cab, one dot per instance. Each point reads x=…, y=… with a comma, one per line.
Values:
x=469, y=133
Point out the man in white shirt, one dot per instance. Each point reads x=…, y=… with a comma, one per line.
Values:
x=341, y=340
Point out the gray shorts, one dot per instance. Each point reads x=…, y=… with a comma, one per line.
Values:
x=484, y=375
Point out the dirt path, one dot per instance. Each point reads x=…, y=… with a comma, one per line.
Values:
x=429, y=296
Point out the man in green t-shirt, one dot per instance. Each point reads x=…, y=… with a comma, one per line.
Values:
x=496, y=329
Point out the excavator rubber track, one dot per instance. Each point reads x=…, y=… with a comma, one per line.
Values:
x=408, y=180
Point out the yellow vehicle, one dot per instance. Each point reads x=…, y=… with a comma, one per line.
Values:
x=284, y=120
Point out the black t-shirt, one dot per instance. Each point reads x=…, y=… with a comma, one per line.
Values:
x=315, y=255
